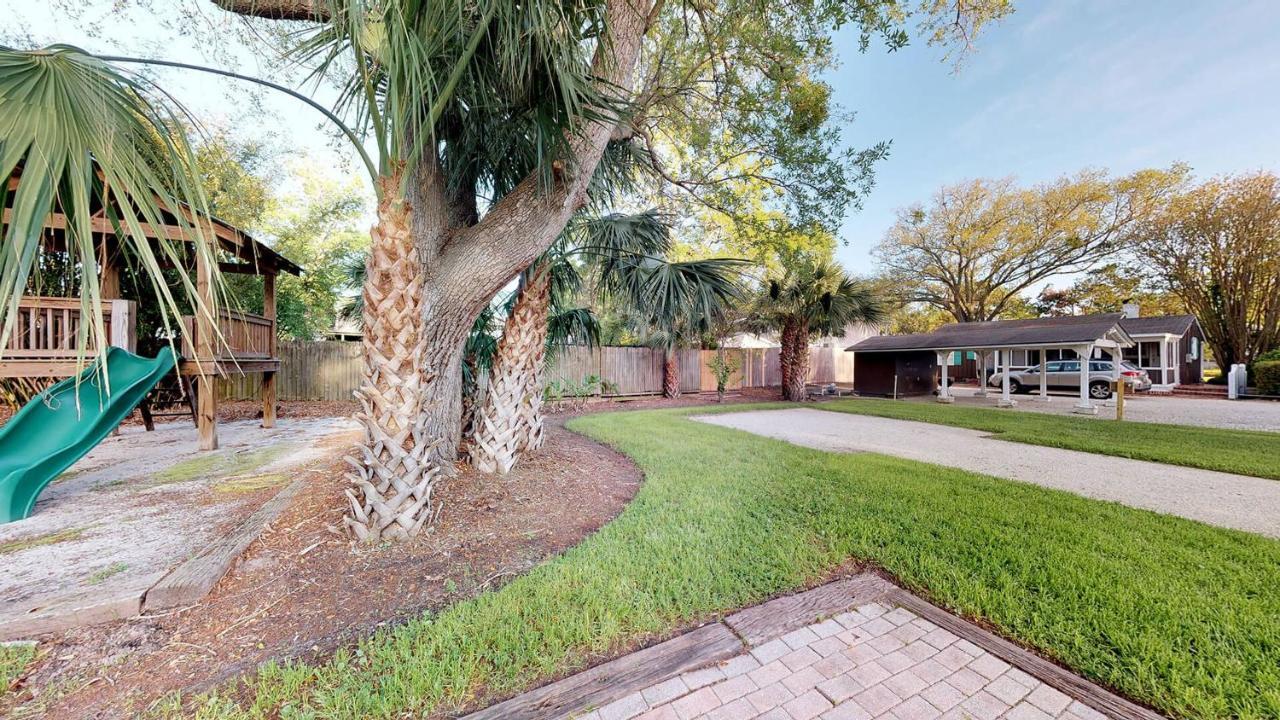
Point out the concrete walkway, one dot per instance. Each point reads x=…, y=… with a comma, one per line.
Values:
x=1231, y=501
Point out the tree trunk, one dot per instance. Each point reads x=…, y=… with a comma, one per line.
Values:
x=509, y=422
x=670, y=374
x=392, y=482
x=795, y=365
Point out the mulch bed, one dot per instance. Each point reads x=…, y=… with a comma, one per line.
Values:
x=302, y=589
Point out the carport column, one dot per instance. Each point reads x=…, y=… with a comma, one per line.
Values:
x=944, y=393
x=1084, y=407
x=1044, y=376
x=1003, y=358
x=982, y=374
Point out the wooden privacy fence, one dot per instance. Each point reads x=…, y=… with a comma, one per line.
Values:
x=327, y=370
x=330, y=370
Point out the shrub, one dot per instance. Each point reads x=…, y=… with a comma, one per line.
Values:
x=1266, y=376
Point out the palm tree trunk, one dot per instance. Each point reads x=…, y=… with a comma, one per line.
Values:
x=795, y=368
x=670, y=374
x=509, y=421
x=392, y=482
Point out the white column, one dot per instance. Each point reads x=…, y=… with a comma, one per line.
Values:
x=944, y=393
x=1115, y=374
x=1084, y=406
x=1004, y=361
x=1044, y=376
x=982, y=374
x=1164, y=362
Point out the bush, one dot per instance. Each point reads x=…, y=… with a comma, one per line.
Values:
x=1266, y=376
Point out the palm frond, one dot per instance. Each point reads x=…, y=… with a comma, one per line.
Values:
x=817, y=293
x=491, y=85
x=99, y=146
x=571, y=326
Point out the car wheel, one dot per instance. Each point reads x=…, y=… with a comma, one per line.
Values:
x=1099, y=390
x=1015, y=387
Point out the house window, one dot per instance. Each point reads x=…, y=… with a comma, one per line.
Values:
x=1195, y=348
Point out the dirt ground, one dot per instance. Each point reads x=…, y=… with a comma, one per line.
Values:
x=281, y=600
x=138, y=505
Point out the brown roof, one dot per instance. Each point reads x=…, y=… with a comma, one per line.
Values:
x=1158, y=325
x=1002, y=333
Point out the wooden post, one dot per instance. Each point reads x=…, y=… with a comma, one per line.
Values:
x=108, y=272
x=124, y=324
x=206, y=384
x=269, y=378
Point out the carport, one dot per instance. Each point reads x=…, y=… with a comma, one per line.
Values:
x=1086, y=336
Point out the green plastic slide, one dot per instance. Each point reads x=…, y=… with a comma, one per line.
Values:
x=66, y=421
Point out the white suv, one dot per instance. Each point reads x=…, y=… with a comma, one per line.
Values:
x=1065, y=374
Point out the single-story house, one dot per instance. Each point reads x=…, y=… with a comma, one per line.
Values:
x=918, y=364
x=1170, y=348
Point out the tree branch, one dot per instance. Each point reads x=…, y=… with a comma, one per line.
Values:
x=314, y=10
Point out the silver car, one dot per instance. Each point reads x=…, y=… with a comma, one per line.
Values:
x=1065, y=374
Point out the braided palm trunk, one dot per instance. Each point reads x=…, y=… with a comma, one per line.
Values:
x=794, y=360
x=391, y=478
x=509, y=421
x=670, y=374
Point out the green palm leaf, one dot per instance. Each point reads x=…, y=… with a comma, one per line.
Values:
x=99, y=146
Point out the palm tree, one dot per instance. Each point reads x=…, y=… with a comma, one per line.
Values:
x=513, y=100
x=673, y=304
x=812, y=298
x=510, y=422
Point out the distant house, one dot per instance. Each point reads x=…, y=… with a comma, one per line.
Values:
x=1169, y=348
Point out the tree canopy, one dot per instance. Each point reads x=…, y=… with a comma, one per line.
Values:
x=1217, y=247
x=979, y=245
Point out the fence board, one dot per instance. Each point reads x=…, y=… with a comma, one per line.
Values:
x=330, y=370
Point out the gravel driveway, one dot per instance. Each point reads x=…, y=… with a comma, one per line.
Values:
x=1172, y=410
x=1231, y=501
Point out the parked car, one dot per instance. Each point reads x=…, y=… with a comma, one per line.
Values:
x=1065, y=374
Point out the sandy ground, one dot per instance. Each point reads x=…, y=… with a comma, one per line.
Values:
x=1205, y=412
x=141, y=502
x=1232, y=501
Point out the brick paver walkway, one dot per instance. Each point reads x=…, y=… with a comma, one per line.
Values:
x=871, y=662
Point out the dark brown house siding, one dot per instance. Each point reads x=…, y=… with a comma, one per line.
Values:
x=1192, y=371
x=874, y=373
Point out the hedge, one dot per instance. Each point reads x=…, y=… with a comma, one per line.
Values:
x=1266, y=377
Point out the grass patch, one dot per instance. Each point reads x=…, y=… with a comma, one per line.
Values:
x=14, y=659
x=1175, y=613
x=250, y=483
x=106, y=572
x=1242, y=452
x=219, y=464
x=36, y=541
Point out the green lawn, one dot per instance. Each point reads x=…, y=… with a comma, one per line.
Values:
x=1181, y=615
x=1234, y=451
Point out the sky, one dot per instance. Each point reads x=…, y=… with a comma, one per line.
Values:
x=1059, y=86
